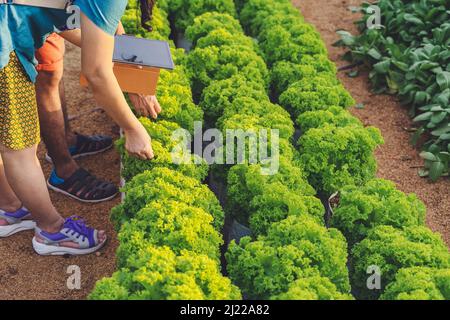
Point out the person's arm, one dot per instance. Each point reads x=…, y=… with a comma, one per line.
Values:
x=145, y=105
x=97, y=66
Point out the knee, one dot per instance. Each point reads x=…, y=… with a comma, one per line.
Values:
x=49, y=79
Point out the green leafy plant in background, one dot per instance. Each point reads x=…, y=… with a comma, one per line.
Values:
x=214, y=63
x=410, y=56
x=279, y=44
x=294, y=248
x=316, y=93
x=222, y=37
x=267, y=114
x=378, y=202
x=335, y=116
x=222, y=93
x=255, y=13
x=184, y=12
x=391, y=249
x=284, y=73
x=277, y=202
x=334, y=157
x=419, y=283
x=210, y=21
x=245, y=182
x=312, y=288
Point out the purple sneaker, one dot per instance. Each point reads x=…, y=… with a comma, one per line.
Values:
x=74, y=230
x=17, y=221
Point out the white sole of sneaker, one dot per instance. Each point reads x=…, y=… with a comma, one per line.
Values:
x=76, y=198
x=49, y=159
x=6, y=231
x=48, y=250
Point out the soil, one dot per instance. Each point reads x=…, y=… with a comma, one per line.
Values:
x=397, y=159
x=24, y=274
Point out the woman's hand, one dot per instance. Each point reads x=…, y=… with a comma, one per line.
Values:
x=138, y=143
x=147, y=106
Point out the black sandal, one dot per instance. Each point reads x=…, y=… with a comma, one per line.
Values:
x=88, y=146
x=85, y=187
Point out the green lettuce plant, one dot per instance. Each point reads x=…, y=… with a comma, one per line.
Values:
x=276, y=202
x=376, y=203
x=222, y=93
x=284, y=73
x=213, y=63
x=419, y=283
x=157, y=273
x=245, y=182
x=169, y=223
x=279, y=44
x=206, y=23
x=334, y=157
x=294, y=248
x=222, y=37
x=184, y=12
x=335, y=116
x=312, y=288
x=255, y=13
x=269, y=116
x=164, y=157
x=316, y=93
x=165, y=184
x=177, y=106
x=391, y=249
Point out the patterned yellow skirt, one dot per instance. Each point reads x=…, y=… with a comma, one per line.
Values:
x=19, y=120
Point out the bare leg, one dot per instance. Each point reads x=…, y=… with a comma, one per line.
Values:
x=70, y=135
x=8, y=199
x=25, y=176
x=52, y=115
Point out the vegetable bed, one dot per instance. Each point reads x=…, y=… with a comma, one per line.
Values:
x=410, y=56
x=255, y=64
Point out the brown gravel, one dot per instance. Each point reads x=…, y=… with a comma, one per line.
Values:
x=24, y=274
x=397, y=158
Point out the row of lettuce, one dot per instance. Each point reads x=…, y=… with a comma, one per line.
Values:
x=409, y=55
x=169, y=224
x=292, y=255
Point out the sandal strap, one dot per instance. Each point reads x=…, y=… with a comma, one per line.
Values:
x=87, y=186
x=14, y=217
x=73, y=230
x=90, y=143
